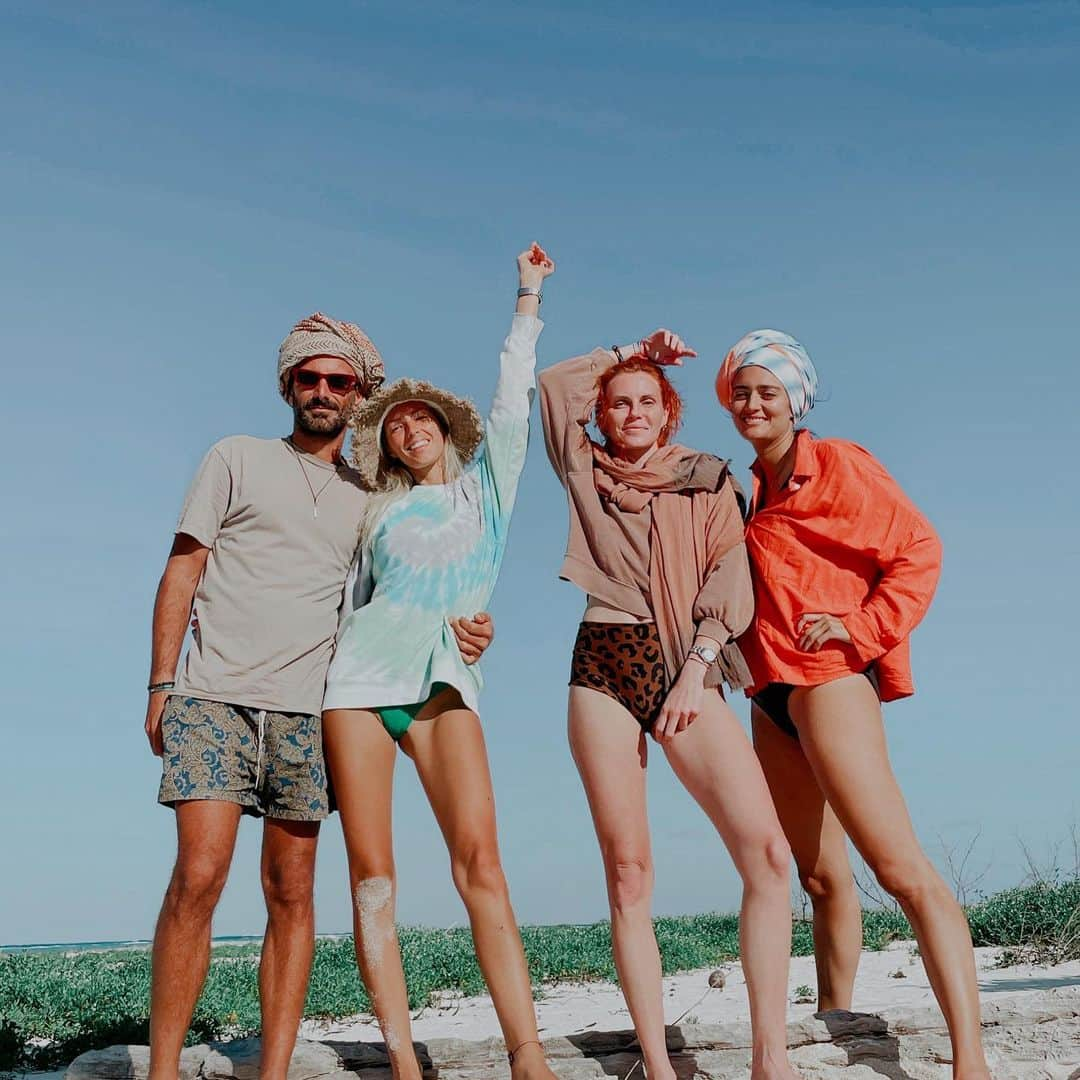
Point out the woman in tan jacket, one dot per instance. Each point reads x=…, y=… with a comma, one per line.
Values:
x=656, y=541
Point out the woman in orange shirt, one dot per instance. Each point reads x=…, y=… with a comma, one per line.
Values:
x=844, y=567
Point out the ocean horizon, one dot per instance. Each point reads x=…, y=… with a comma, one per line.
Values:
x=132, y=943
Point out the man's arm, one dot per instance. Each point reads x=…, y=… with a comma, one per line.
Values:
x=172, y=609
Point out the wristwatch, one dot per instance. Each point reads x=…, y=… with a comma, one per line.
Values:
x=703, y=652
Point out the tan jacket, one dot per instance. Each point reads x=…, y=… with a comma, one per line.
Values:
x=607, y=548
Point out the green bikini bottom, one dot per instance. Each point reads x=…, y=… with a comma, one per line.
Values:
x=397, y=718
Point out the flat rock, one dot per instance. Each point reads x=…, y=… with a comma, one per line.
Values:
x=131, y=1063
x=1036, y=1037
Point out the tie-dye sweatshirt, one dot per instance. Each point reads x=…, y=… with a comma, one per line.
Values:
x=434, y=555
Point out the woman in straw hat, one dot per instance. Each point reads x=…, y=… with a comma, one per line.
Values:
x=656, y=541
x=431, y=543
x=844, y=568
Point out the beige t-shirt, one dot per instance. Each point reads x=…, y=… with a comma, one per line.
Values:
x=267, y=604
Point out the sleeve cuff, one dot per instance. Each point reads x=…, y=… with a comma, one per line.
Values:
x=714, y=629
x=863, y=641
x=201, y=532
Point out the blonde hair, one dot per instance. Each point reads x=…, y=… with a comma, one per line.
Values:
x=396, y=480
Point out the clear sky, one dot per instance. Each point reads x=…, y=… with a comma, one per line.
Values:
x=896, y=186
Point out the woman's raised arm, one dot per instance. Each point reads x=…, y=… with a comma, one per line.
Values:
x=507, y=427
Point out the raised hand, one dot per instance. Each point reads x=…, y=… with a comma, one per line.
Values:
x=664, y=347
x=534, y=265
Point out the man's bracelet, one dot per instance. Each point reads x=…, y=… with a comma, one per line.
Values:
x=158, y=687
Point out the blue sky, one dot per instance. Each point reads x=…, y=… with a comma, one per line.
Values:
x=896, y=186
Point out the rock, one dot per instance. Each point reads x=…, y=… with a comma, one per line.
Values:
x=240, y=1061
x=130, y=1063
x=1033, y=1037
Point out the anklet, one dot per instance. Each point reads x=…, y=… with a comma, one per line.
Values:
x=511, y=1054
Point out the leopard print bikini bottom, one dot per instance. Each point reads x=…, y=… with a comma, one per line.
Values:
x=624, y=661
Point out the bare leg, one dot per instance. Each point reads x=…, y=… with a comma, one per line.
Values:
x=843, y=737
x=206, y=836
x=447, y=745
x=360, y=756
x=611, y=753
x=288, y=879
x=820, y=848
x=716, y=763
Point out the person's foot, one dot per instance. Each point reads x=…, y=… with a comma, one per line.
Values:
x=405, y=1066
x=530, y=1064
x=774, y=1070
x=661, y=1073
x=658, y=1070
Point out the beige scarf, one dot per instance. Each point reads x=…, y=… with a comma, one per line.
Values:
x=685, y=540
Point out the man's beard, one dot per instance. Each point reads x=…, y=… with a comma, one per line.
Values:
x=332, y=424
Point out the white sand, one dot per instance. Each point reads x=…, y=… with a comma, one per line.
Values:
x=886, y=979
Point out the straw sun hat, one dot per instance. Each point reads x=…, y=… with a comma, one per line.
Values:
x=459, y=415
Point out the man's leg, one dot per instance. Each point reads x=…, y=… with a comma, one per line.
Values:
x=294, y=794
x=206, y=836
x=288, y=879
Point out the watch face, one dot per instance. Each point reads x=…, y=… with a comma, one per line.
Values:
x=706, y=654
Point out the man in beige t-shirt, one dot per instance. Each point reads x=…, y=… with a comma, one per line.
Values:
x=264, y=543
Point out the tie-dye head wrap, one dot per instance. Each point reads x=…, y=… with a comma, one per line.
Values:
x=779, y=353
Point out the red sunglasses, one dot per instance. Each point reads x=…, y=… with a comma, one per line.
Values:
x=338, y=384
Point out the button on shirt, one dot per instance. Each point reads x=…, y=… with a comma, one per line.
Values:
x=841, y=538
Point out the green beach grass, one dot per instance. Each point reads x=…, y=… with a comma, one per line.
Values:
x=54, y=1006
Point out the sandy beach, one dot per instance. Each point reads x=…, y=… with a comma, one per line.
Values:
x=1031, y=1030
x=894, y=977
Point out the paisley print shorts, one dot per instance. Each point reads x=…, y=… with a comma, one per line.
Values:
x=624, y=661
x=271, y=763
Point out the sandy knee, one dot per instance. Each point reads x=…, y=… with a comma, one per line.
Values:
x=374, y=900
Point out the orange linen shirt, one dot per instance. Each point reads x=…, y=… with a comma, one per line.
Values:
x=840, y=538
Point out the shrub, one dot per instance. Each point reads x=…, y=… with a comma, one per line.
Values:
x=1039, y=923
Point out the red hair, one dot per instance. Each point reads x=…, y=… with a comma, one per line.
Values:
x=669, y=396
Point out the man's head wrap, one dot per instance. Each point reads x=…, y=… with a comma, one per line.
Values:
x=319, y=335
x=779, y=353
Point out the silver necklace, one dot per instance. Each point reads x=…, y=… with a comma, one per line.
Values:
x=307, y=480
